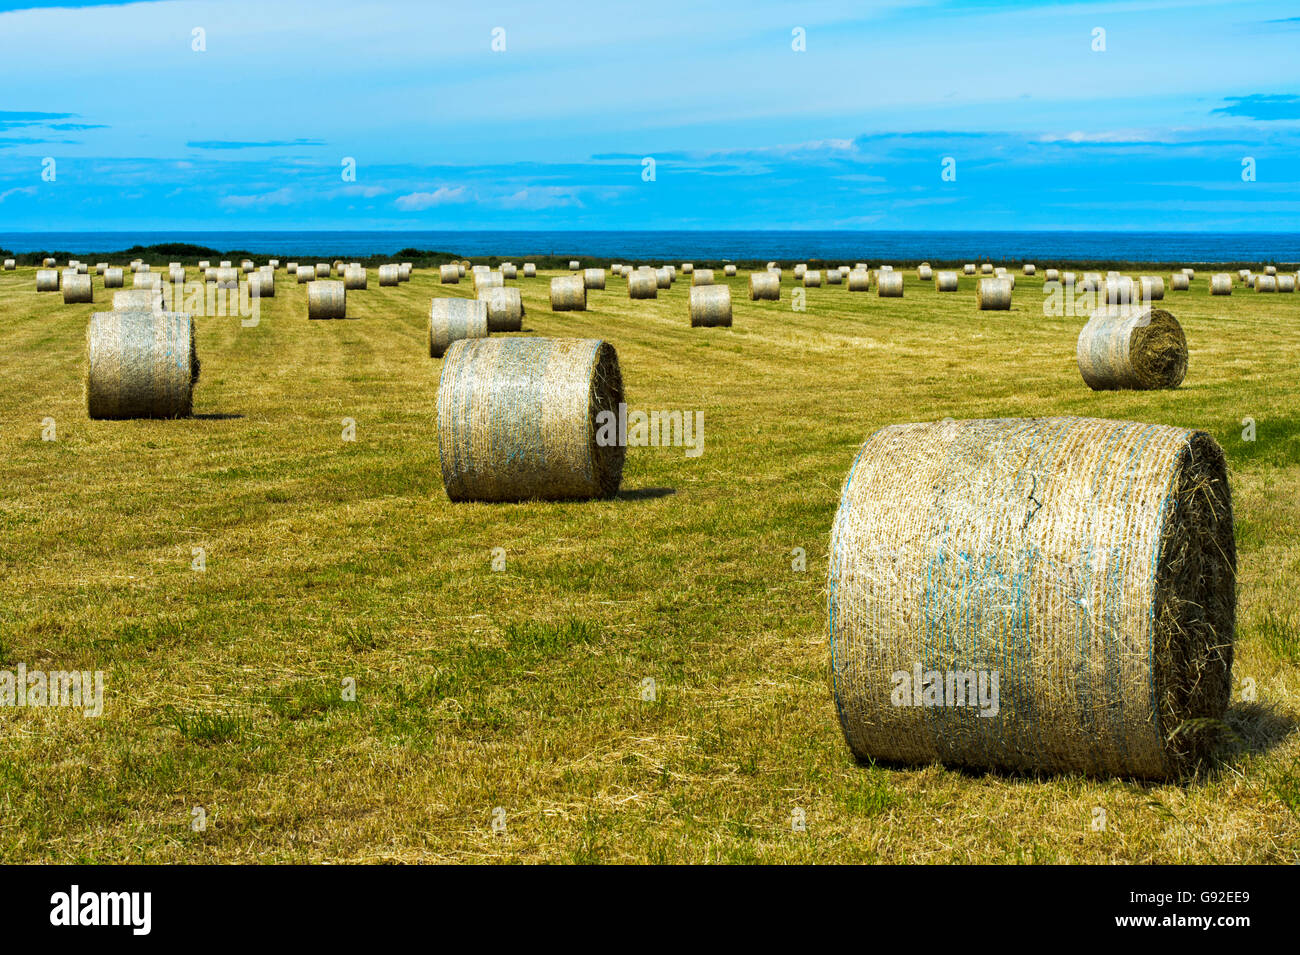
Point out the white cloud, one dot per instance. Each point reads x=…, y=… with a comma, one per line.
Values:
x=416, y=201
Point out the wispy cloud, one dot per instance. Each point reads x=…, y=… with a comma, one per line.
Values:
x=264, y=144
x=1265, y=106
x=278, y=197
x=418, y=201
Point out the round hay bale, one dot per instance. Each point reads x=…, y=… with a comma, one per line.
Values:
x=530, y=418
x=812, y=278
x=764, y=286
x=83, y=268
x=1120, y=290
x=147, y=280
x=226, y=278
x=262, y=284
x=1286, y=282
x=136, y=299
x=710, y=305
x=176, y=274
x=305, y=273
x=355, y=277
x=593, y=278
x=672, y=272
x=1051, y=275
x=140, y=364
x=968, y=268
x=508, y=271
x=729, y=271
x=246, y=266
x=861, y=265
x=326, y=298
x=775, y=271
x=389, y=275
x=48, y=280
x=114, y=278
x=834, y=277
x=574, y=265
x=322, y=270
x=1243, y=274
x=889, y=284
x=646, y=284
x=860, y=280
x=460, y=267
x=205, y=265
x=10, y=265
x=451, y=319
x=946, y=282
x=505, y=308
x=663, y=277
x=530, y=270
x=924, y=272
x=800, y=270
x=886, y=268
x=1179, y=282
x=1151, y=288
x=484, y=280
x=224, y=263
x=993, y=294
x=1263, y=283
x=1029, y=268
x=1221, y=284
x=770, y=266
x=1092, y=282
x=688, y=268
x=273, y=263
x=1132, y=347
x=77, y=289
x=1270, y=270
x=290, y=267
x=701, y=277
x=480, y=269
x=449, y=274
x=1190, y=273
x=568, y=294
x=1089, y=565
x=48, y=263
x=1250, y=280
x=986, y=268
x=1068, y=278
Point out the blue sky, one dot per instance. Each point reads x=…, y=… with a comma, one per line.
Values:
x=746, y=132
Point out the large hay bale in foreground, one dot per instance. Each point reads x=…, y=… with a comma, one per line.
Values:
x=644, y=283
x=993, y=294
x=77, y=288
x=568, y=294
x=451, y=319
x=449, y=274
x=1221, y=284
x=889, y=284
x=327, y=298
x=764, y=286
x=522, y=418
x=140, y=364
x=946, y=281
x=505, y=308
x=47, y=280
x=710, y=305
x=1132, y=347
x=1088, y=565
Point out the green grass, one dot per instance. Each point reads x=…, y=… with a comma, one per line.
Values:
x=333, y=564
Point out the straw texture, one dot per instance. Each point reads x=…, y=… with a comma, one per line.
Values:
x=889, y=284
x=449, y=274
x=77, y=288
x=354, y=277
x=1263, y=283
x=505, y=309
x=47, y=280
x=568, y=294
x=140, y=364
x=701, y=277
x=388, y=275
x=327, y=298
x=262, y=284
x=517, y=419
x=710, y=305
x=644, y=284
x=530, y=270
x=322, y=270
x=812, y=278
x=305, y=273
x=993, y=294
x=946, y=281
x=593, y=278
x=451, y=319
x=1132, y=347
x=860, y=280
x=764, y=286
x=1180, y=282
x=1221, y=284
x=1090, y=564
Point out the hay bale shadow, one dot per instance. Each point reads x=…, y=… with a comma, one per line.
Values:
x=217, y=416
x=645, y=493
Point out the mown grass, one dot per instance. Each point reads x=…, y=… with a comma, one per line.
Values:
x=333, y=564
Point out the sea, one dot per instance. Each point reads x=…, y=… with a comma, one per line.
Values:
x=738, y=245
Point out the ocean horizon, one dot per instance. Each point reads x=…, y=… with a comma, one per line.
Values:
x=711, y=245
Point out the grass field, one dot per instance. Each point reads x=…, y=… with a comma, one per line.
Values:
x=331, y=560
